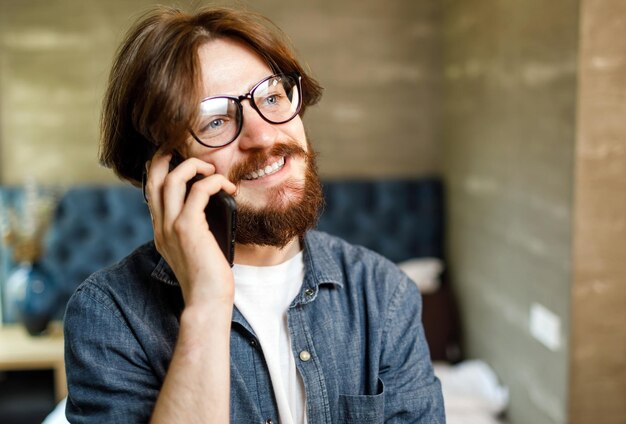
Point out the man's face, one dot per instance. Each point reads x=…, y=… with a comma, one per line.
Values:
x=279, y=195
x=231, y=68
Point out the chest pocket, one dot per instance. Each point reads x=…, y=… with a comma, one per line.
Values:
x=363, y=409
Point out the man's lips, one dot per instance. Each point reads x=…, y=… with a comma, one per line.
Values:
x=258, y=162
x=268, y=169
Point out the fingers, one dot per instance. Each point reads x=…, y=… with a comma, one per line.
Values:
x=175, y=186
x=199, y=196
x=166, y=191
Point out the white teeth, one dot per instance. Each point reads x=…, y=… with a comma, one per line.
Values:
x=267, y=170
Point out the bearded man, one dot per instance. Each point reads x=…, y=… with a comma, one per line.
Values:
x=304, y=327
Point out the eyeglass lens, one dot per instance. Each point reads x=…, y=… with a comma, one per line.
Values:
x=276, y=99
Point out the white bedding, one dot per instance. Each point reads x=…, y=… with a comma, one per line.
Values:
x=471, y=392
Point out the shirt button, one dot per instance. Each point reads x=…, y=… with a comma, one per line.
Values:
x=309, y=292
x=269, y=421
x=305, y=356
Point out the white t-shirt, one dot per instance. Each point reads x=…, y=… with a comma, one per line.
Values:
x=262, y=295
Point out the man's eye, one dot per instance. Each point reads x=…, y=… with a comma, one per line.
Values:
x=216, y=123
x=273, y=99
x=213, y=124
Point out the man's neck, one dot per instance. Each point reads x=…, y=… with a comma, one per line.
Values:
x=249, y=254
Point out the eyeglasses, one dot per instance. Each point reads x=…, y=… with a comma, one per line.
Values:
x=277, y=99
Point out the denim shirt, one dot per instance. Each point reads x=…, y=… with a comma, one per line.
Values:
x=356, y=336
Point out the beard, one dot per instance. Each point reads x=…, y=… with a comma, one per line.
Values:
x=292, y=208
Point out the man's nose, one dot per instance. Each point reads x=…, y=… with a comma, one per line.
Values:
x=256, y=132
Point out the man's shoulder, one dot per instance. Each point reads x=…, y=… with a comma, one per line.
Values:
x=362, y=281
x=124, y=275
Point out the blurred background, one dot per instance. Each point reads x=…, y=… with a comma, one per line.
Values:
x=517, y=106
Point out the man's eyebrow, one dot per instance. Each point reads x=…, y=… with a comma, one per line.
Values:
x=239, y=93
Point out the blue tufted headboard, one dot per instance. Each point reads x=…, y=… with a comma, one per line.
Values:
x=95, y=226
x=400, y=219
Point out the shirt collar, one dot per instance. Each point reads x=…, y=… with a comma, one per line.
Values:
x=163, y=273
x=319, y=267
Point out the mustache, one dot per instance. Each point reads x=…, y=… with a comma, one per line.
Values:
x=260, y=157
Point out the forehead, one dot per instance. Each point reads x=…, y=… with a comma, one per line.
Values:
x=229, y=66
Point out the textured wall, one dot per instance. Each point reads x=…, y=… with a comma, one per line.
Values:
x=53, y=56
x=379, y=62
x=508, y=137
x=598, y=345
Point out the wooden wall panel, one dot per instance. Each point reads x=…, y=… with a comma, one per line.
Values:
x=598, y=343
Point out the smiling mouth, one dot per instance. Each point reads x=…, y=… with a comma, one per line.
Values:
x=269, y=169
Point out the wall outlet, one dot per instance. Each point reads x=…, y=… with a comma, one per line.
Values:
x=545, y=326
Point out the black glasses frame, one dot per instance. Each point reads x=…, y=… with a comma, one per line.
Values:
x=250, y=97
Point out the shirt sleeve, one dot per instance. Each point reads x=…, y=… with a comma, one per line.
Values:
x=109, y=379
x=412, y=391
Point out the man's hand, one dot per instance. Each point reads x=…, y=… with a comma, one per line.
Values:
x=181, y=232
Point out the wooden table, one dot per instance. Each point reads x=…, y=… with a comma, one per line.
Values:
x=21, y=351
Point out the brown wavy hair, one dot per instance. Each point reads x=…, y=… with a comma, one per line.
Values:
x=155, y=84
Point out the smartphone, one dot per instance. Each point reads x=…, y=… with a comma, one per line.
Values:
x=221, y=214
